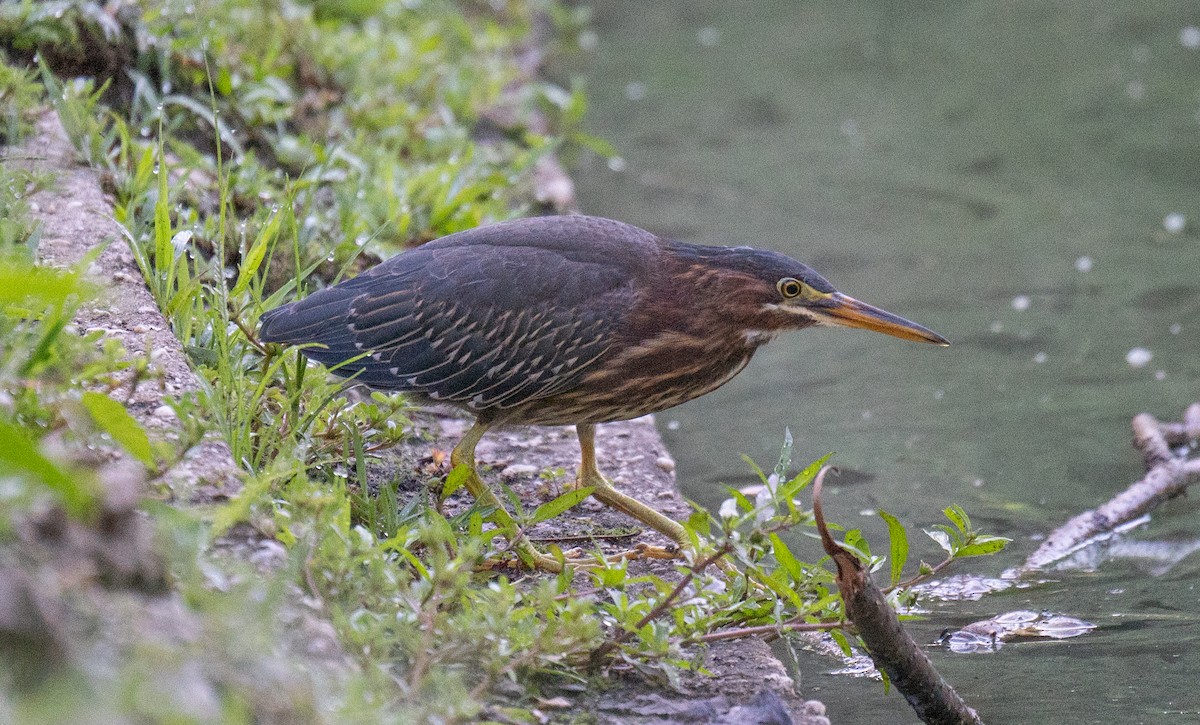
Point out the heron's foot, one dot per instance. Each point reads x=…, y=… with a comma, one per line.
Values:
x=646, y=551
x=607, y=494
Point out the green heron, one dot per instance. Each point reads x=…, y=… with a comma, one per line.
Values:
x=567, y=320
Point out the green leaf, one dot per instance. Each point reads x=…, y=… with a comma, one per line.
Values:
x=114, y=420
x=782, y=589
x=21, y=284
x=744, y=503
x=700, y=521
x=982, y=546
x=803, y=478
x=19, y=453
x=854, y=539
x=556, y=506
x=942, y=539
x=786, y=559
x=840, y=637
x=754, y=467
x=958, y=517
x=898, y=550
x=475, y=524
x=455, y=480
x=224, y=82
x=240, y=506
x=254, y=257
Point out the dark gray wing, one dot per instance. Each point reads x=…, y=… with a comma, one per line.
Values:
x=490, y=318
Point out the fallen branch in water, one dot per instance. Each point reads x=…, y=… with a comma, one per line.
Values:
x=1167, y=475
x=891, y=648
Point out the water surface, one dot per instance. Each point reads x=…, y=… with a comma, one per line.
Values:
x=1012, y=175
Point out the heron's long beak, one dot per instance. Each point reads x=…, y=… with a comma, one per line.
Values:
x=844, y=310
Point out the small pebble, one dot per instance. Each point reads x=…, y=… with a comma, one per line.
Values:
x=665, y=463
x=269, y=555
x=519, y=469
x=165, y=412
x=1138, y=357
x=635, y=91
x=1083, y=264
x=1020, y=302
x=1039, y=358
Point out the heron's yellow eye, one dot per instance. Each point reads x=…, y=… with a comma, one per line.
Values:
x=790, y=287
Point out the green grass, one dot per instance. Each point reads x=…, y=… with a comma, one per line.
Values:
x=256, y=151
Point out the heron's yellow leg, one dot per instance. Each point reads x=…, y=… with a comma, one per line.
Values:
x=464, y=454
x=605, y=493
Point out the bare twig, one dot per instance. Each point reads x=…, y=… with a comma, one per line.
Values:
x=1168, y=475
x=1187, y=431
x=919, y=578
x=251, y=337
x=891, y=648
x=658, y=610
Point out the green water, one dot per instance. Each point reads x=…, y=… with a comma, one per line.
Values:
x=1001, y=173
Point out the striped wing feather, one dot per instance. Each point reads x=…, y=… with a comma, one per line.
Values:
x=478, y=322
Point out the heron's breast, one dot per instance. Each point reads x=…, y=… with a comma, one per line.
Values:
x=662, y=372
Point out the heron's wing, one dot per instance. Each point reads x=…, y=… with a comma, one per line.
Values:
x=487, y=326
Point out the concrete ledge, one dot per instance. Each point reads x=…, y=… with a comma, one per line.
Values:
x=76, y=218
